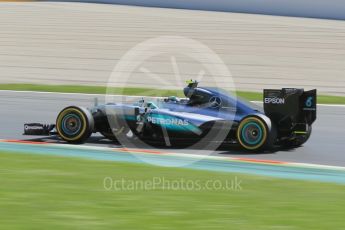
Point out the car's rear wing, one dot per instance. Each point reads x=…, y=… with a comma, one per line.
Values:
x=289, y=106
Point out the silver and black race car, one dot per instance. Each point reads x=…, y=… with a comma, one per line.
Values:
x=206, y=115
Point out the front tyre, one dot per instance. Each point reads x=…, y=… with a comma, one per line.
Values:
x=74, y=124
x=253, y=134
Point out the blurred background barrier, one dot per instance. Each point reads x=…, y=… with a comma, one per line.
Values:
x=331, y=9
x=80, y=43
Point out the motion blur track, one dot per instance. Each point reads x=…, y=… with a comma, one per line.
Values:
x=325, y=147
x=78, y=43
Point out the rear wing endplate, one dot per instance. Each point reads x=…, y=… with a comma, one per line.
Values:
x=290, y=105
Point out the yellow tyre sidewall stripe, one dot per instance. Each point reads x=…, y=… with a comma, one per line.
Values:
x=60, y=118
x=239, y=132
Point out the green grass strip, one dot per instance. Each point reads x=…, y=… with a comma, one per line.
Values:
x=132, y=91
x=68, y=193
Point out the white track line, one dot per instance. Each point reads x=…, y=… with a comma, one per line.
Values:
x=102, y=95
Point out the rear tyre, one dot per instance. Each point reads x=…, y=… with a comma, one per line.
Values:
x=74, y=124
x=253, y=134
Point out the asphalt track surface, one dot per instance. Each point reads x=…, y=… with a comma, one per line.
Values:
x=326, y=145
x=80, y=43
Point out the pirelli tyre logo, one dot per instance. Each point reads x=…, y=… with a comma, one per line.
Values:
x=167, y=121
x=275, y=100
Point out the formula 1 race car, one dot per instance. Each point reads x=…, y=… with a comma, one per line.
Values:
x=206, y=115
